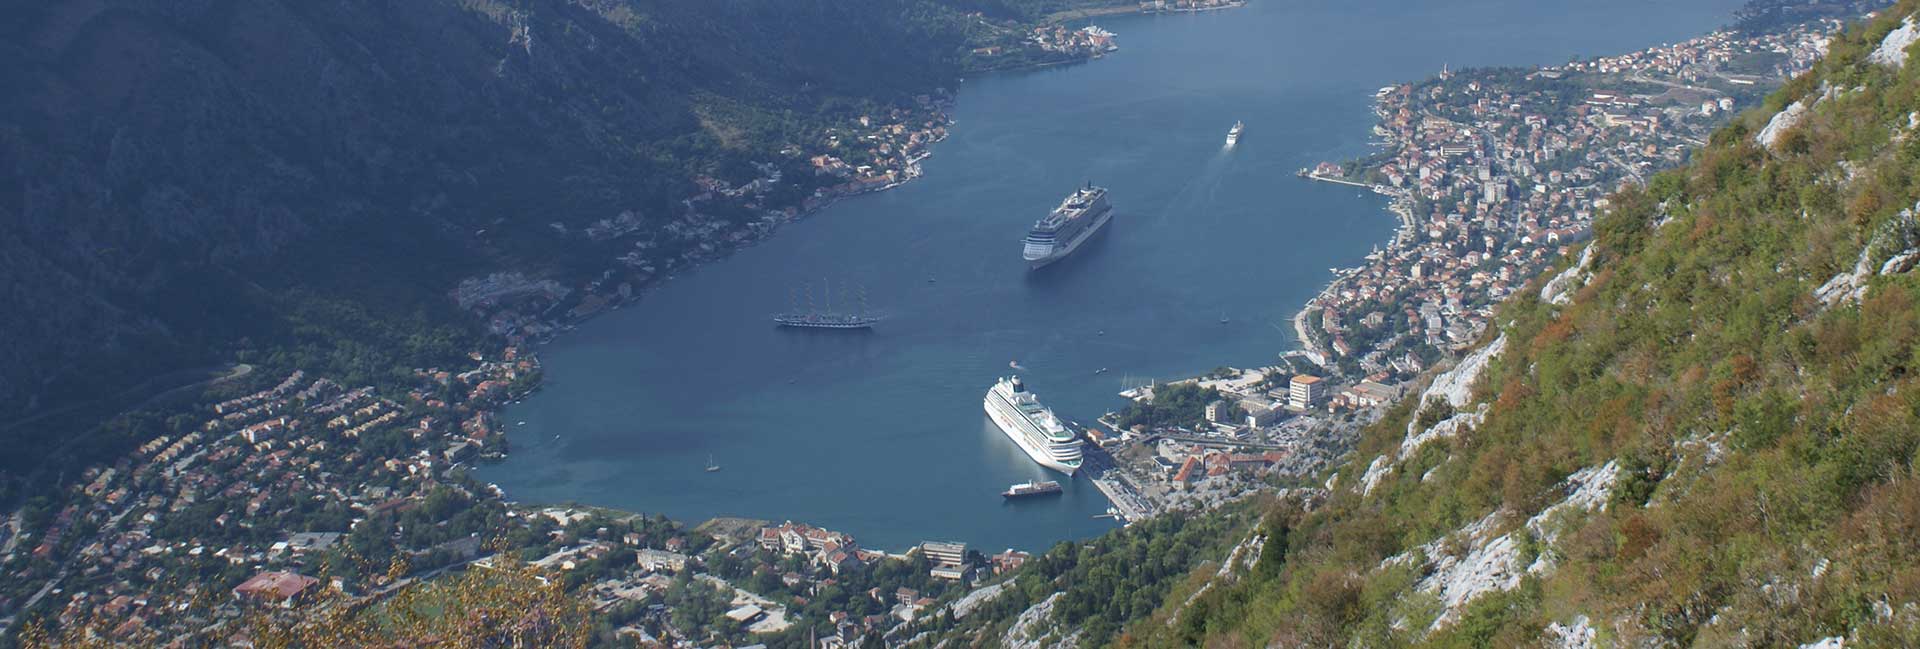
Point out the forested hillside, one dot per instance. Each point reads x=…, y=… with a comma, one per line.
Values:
x=187, y=184
x=167, y=159
x=1701, y=432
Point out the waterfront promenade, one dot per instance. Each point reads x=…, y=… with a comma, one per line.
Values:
x=1128, y=503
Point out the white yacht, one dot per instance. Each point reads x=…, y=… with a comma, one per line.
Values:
x=1045, y=439
x=1233, y=134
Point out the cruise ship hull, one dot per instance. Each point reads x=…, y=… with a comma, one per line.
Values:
x=1037, y=454
x=1061, y=252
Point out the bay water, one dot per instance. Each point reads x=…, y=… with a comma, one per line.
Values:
x=881, y=434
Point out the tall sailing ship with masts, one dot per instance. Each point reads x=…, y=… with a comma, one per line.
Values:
x=813, y=318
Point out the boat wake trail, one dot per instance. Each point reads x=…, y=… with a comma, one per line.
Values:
x=1199, y=192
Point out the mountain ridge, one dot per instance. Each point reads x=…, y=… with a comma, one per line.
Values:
x=1688, y=436
x=189, y=184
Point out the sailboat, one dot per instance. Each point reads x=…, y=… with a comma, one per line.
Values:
x=815, y=319
x=711, y=467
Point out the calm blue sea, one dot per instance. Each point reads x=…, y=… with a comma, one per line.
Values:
x=881, y=435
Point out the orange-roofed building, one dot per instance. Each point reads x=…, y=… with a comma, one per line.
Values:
x=283, y=588
x=1187, y=469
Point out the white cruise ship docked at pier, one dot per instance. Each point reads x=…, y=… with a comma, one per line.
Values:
x=1045, y=439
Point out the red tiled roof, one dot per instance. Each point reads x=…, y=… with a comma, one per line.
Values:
x=1186, y=469
x=275, y=585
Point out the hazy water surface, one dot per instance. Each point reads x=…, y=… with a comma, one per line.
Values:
x=882, y=435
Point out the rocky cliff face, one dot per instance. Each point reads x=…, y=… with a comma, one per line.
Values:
x=160, y=160
x=1701, y=433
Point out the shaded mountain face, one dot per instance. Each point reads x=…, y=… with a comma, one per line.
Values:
x=167, y=169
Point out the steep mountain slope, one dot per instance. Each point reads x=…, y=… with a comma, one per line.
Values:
x=185, y=183
x=158, y=152
x=1702, y=432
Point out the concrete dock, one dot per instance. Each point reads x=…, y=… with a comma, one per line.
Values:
x=1127, y=501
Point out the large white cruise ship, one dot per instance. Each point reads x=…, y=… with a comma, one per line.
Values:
x=1077, y=218
x=1031, y=425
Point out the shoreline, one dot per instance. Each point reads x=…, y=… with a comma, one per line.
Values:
x=1117, y=489
x=1131, y=491
x=1132, y=9
x=911, y=170
x=1432, y=147
x=1072, y=15
x=1398, y=205
x=1038, y=66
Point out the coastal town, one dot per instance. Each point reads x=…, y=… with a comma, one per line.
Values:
x=256, y=488
x=868, y=154
x=1089, y=41
x=306, y=490
x=305, y=493
x=1258, y=430
x=1176, y=6
x=1497, y=174
x=294, y=492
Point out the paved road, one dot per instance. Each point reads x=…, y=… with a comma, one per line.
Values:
x=234, y=373
x=1214, y=441
x=13, y=532
x=111, y=524
x=6, y=624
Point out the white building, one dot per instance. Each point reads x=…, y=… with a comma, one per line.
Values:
x=661, y=560
x=1217, y=411
x=1305, y=391
x=945, y=552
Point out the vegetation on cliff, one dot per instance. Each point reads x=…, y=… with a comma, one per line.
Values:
x=1711, y=440
x=1737, y=364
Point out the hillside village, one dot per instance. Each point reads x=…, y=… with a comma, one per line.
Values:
x=305, y=491
x=296, y=491
x=1496, y=174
